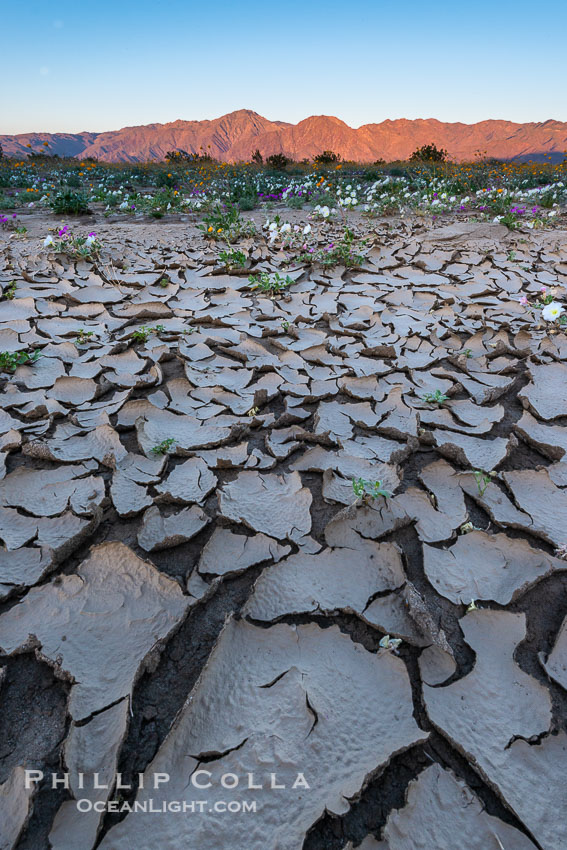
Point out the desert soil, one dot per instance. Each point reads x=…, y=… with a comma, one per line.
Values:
x=224, y=606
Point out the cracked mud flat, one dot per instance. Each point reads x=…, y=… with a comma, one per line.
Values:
x=220, y=607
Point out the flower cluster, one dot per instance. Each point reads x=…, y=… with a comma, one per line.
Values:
x=73, y=246
x=551, y=310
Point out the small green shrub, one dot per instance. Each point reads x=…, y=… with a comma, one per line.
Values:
x=163, y=447
x=437, y=397
x=429, y=153
x=327, y=158
x=278, y=161
x=10, y=360
x=70, y=203
x=366, y=490
x=270, y=284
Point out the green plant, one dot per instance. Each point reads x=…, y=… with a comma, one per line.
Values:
x=232, y=258
x=468, y=352
x=70, y=203
x=366, y=490
x=79, y=247
x=257, y=157
x=84, y=336
x=143, y=333
x=327, y=158
x=163, y=447
x=295, y=202
x=270, y=284
x=224, y=222
x=10, y=360
x=344, y=253
x=429, y=153
x=483, y=479
x=278, y=161
x=247, y=203
x=437, y=397
x=10, y=291
x=164, y=283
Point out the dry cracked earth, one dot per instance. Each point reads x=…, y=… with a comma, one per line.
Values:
x=220, y=607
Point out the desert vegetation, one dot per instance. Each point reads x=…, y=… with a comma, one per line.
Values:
x=283, y=481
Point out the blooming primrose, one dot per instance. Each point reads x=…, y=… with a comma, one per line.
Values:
x=552, y=312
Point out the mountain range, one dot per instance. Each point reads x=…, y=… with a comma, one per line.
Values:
x=234, y=137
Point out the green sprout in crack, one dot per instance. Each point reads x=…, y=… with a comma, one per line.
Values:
x=164, y=283
x=232, y=258
x=163, y=447
x=468, y=352
x=83, y=337
x=483, y=479
x=285, y=324
x=436, y=397
x=10, y=360
x=270, y=284
x=143, y=333
x=472, y=607
x=10, y=291
x=367, y=490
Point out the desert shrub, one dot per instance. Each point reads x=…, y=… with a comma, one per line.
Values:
x=327, y=158
x=247, y=203
x=178, y=156
x=257, y=157
x=296, y=202
x=429, y=153
x=166, y=179
x=69, y=202
x=278, y=161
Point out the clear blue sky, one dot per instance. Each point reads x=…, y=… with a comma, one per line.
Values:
x=71, y=66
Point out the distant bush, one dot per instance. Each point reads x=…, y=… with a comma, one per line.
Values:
x=43, y=156
x=429, y=153
x=247, y=203
x=278, y=161
x=1, y=152
x=257, y=157
x=70, y=203
x=295, y=202
x=166, y=180
x=184, y=156
x=327, y=158
x=179, y=156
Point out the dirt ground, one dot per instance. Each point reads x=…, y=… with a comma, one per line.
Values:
x=199, y=571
